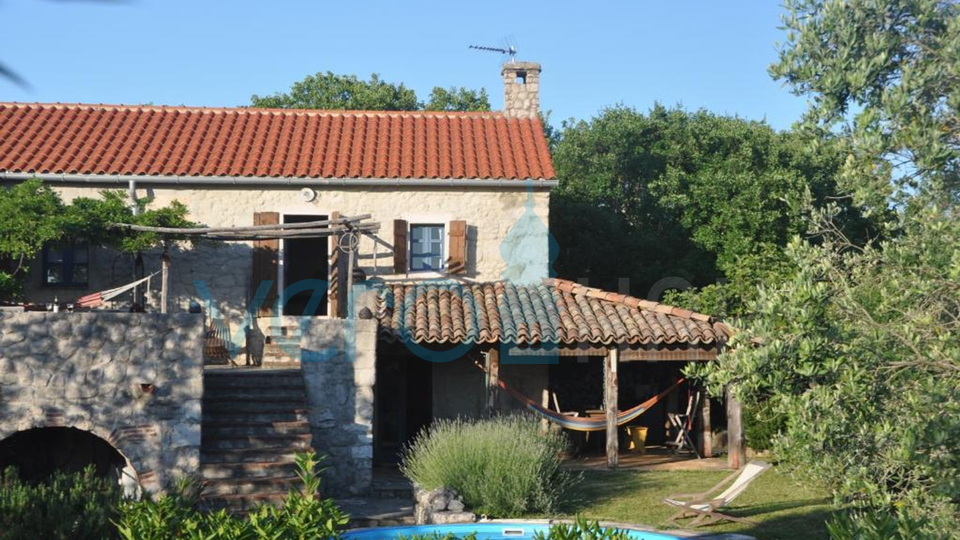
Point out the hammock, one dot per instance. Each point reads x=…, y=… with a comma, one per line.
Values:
x=587, y=424
x=98, y=298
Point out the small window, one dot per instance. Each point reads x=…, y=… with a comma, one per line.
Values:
x=426, y=247
x=66, y=265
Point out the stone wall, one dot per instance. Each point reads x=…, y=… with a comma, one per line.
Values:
x=338, y=360
x=226, y=268
x=134, y=380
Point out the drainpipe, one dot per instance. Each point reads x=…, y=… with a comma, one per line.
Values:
x=138, y=297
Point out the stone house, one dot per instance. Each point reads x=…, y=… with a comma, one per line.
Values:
x=457, y=276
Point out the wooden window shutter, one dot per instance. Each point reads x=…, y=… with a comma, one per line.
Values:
x=400, y=265
x=266, y=258
x=457, y=260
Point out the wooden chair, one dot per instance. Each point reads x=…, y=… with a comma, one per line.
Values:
x=681, y=422
x=704, y=507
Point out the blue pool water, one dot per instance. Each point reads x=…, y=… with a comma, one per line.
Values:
x=485, y=531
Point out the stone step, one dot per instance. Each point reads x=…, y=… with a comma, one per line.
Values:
x=398, y=489
x=252, y=404
x=216, y=428
x=218, y=418
x=252, y=382
x=234, y=372
x=242, y=503
x=298, y=442
x=377, y=512
x=277, y=393
x=253, y=469
x=249, y=486
x=273, y=454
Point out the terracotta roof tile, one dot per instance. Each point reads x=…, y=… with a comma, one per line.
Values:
x=269, y=143
x=453, y=312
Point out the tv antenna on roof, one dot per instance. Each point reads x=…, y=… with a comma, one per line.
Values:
x=508, y=49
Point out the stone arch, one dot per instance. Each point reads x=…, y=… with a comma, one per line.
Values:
x=40, y=450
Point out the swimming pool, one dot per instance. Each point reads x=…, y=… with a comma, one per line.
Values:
x=485, y=531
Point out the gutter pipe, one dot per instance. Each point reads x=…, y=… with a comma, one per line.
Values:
x=131, y=180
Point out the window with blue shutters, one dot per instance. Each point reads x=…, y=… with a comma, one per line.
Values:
x=426, y=247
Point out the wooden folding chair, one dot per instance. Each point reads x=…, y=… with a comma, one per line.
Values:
x=682, y=423
x=704, y=507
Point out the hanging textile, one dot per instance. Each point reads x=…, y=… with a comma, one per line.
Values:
x=588, y=424
x=98, y=298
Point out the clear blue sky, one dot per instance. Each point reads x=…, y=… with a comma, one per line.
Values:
x=199, y=52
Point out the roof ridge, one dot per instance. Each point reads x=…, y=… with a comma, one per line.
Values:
x=627, y=300
x=255, y=110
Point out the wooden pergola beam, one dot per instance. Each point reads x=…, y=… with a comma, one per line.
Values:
x=346, y=220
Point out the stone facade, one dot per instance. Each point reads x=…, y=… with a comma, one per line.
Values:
x=226, y=268
x=133, y=380
x=521, y=89
x=338, y=360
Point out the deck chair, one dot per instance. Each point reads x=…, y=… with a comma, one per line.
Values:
x=704, y=507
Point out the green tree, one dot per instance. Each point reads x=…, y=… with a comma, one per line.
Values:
x=857, y=353
x=32, y=215
x=857, y=350
x=885, y=74
x=694, y=195
x=457, y=99
x=347, y=92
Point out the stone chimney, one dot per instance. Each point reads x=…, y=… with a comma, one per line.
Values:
x=521, y=89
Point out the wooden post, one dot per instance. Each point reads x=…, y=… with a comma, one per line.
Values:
x=348, y=299
x=706, y=433
x=492, y=368
x=164, y=280
x=610, y=397
x=736, y=451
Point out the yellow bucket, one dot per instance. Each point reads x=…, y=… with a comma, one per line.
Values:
x=636, y=438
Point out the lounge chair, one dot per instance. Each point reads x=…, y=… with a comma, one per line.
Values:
x=704, y=507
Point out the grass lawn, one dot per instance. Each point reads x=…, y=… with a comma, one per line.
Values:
x=783, y=508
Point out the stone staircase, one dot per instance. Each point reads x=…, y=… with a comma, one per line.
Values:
x=254, y=423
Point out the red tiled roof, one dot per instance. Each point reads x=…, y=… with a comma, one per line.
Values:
x=554, y=312
x=241, y=142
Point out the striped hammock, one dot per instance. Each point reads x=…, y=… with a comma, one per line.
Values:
x=98, y=298
x=587, y=424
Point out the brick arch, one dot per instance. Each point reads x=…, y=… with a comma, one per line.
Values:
x=137, y=445
x=131, y=463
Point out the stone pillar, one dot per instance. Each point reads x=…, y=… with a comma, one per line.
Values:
x=338, y=359
x=521, y=89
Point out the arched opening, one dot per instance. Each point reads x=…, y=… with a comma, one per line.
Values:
x=38, y=453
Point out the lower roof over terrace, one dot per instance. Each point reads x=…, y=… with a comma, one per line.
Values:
x=567, y=317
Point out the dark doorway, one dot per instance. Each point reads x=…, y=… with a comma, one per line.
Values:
x=403, y=403
x=305, y=258
x=38, y=453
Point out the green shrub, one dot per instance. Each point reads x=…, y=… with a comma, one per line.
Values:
x=761, y=425
x=304, y=515
x=581, y=529
x=880, y=525
x=64, y=507
x=505, y=466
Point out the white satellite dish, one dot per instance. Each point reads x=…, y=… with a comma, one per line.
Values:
x=307, y=194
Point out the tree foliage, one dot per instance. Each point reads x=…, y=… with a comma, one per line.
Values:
x=885, y=74
x=32, y=215
x=858, y=351
x=694, y=195
x=347, y=92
